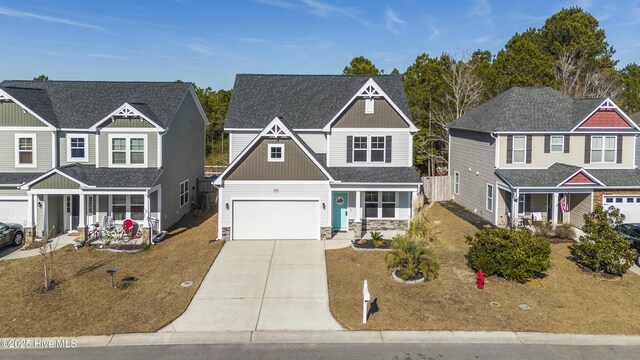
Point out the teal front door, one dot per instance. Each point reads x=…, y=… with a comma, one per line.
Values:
x=339, y=211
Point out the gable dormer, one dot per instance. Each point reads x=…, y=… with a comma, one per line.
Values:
x=607, y=116
x=581, y=177
x=127, y=116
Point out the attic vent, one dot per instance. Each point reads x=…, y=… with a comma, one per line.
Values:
x=368, y=106
x=276, y=131
x=126, y=112
x=370, y=91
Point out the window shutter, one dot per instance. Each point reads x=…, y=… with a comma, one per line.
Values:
x=619, y=150
x=547, y=144
x=528, y=149
x=509, y=149
x=567, y=141
x=387, y=149
x=587, y=149
x=349, y=149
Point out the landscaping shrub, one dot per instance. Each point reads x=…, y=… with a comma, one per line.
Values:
x=412, y=258
x=421, y=228
x=378, y=240
x=602, y=249
x=565, y=231
x=544, y=229
x=516, y=255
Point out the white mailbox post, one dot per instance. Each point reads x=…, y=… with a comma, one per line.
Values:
x=366, y=297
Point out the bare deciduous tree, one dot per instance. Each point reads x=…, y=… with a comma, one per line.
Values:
x=579, y=80
x=46, y=251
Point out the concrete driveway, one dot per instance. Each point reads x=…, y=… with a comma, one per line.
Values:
x=262, y=285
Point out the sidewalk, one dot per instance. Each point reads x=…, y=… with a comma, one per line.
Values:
x=339, y=337
x=12, y=253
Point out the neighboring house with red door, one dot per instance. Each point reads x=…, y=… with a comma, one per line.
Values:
x=314, y=155
x=514, y=158
x=74, y=152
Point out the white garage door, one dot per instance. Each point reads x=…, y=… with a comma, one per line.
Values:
x=13, y=211
x=276, y=220
x=628, y=205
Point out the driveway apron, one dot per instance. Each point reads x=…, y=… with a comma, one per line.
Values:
x=262, y=285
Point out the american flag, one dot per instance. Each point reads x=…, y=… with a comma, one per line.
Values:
x=564, y=204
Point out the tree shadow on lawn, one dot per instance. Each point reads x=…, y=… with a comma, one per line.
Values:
x=475, y=220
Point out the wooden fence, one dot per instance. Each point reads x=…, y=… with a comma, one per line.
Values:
x=437, y=188
x=210, y=170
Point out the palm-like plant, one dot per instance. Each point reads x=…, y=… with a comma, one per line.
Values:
x=378, y=240
x=411, y=259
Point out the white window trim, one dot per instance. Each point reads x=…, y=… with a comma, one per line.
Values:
x=379, y=215
x=271, y=146
x=524, y=150
x=602, y=151
x=186, y=183
x=86, y=147
x=456, y=182
x=128, y=138
x=489, y=204
x=551, y=144
x=34, y=150
x=127, y=204
x=369, y=149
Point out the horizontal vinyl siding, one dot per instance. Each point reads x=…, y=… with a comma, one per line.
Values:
x=43, y=152
x=62, y=147
x=471, y=153
x=239, y=141
x=12, y=114
x=400, y=149
x=580, y=204
x=12, y=192
x=316, y=141
x=285, y=191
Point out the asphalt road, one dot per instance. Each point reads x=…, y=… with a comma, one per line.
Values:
x=335, y=351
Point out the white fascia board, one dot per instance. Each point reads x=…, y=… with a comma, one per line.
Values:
x=242, y=129
x=372, y=130
x=4, y=94
x=614, y=107
x=371, y=82
x=262, y=134
x=133, y=110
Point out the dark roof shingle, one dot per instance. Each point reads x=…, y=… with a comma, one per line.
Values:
x=558, y=172
x=16, y=179
x=112, y=177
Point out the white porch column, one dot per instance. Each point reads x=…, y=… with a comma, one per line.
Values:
x=514, y=207
x=147, y=210
x=554, y=212
x=83, y=214
x=358, y=208
x=29, y=209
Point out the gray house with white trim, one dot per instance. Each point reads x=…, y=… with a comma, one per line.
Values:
x=73, y=152
x=315, y=155
x=529, y=150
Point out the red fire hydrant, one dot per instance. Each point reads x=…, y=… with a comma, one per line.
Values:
x=480, y=278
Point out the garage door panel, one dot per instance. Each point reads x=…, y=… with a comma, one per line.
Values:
x=13, y=211
x=629, y=205
x=276, y=220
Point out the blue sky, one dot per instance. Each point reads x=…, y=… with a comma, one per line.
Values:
x=208, y=42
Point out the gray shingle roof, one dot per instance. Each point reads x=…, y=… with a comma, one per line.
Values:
x=16, y=179
x=304, y=101
x=527, y=109
x=558, y=172
x=398, y=175
x=112, y=177
x=80, y=104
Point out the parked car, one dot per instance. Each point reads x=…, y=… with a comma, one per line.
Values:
x=11, y=234
x=632, y=233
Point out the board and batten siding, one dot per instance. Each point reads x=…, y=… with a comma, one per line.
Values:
x=152, y=147
x=384, y=116
x=316, y=141
x=579, y=204
x=472, y=155
x=44, y=152
x=12, y=114
x=56, y=181
x=575, y=156
x=63, y=138
x=400, y=149
x=238, y=141
x=274, y=191
x=132, y=122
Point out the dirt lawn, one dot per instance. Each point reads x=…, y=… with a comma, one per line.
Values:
x=85, y=304
x=568, y=300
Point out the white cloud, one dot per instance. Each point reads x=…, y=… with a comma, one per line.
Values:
x=200, y=46
x=25, y=15
x=392, y=21
x=327, y=10
x=481, y=8
x=278, y=3
x=435, y=33
x=255, y=40
x=108, y=56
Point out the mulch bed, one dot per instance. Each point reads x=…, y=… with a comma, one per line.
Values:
x=368, y=244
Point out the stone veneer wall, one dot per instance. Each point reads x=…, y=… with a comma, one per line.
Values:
x=225, y=233
x=326, y=233
x=377, y=225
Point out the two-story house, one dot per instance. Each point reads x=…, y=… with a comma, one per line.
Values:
x=73, y=152
x=314, y=155
x=537, y=154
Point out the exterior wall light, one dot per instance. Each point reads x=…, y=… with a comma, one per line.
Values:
x=226, y=206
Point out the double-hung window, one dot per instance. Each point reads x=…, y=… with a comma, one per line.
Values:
x=360, y=149
x=184, y=193
x=77, y=148
x=25, y=150
x=519, y=149
x=456, y=183
x=603, y=149
x=557, y=143
x=379, y=204
x=127, y=207
x=128, y=150
x=490, y=196
x=377, y=149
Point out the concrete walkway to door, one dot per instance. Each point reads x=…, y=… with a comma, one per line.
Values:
x=262, y=285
